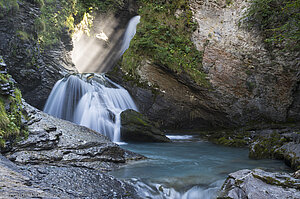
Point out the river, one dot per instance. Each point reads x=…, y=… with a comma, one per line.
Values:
x=187, y=168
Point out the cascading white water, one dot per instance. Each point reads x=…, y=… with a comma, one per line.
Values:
x=95, y=103
x=64, y=97
x=129, y=33
x=90, y=103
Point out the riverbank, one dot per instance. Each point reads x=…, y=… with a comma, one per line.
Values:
x=60, y=159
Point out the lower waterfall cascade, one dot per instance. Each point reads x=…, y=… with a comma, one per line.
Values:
x=90, y=100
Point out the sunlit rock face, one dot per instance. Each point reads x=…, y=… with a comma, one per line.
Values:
x=254, y=82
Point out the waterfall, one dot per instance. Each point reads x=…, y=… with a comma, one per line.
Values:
x=129, y=33
x=92, y=102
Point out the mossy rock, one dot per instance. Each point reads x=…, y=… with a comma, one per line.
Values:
x=231, y=138
x=137, y=128
x=266, y=147
x=277, y=146
x=11, y=114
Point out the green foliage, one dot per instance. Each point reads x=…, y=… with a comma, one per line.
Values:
x=39, y=3
x=8, y=6
x=10, y=114
x=8, y=127
x=164, y=37
x=61, y=16
x=228, y=2
x=279, y=21
x=39, y=25
x=2, y=9
x=23, y=35
x=99, y=5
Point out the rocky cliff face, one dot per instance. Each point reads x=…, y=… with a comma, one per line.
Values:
x=34, y=70
x=254, y=82
x=249, y=82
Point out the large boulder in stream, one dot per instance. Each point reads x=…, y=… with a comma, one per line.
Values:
x=60, y=159
x=137, y=128
x=259, y=184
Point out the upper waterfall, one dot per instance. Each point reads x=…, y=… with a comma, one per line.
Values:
x=129, y=33
x=92, y=102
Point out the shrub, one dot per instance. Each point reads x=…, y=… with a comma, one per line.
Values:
x=278, y=20
x=10, y=114
x=39, y=3
x=39, y=25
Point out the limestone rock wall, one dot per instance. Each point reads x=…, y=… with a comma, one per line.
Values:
x=254, y=82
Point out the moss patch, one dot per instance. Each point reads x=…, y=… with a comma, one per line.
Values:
x=10, y=115
x=272, y=181
x=232, y=138
x=265, y=147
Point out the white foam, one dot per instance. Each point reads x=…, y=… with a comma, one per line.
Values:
x=180, y=137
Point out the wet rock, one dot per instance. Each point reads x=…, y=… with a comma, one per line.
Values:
x=137, y=128
x=44, y=181
x=291, y=154
x=15, y=184
x=58, y=142
x=60, y=159
x=284, y=146
x=76, y=182
x=260, y=184
x=185, y=106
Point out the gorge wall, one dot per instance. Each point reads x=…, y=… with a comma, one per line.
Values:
x=237, y=79
x=249, y=82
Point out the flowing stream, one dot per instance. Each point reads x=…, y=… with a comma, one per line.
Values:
x=184, y=169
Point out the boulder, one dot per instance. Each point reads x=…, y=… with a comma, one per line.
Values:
x=254, y=184
x=137, y=128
